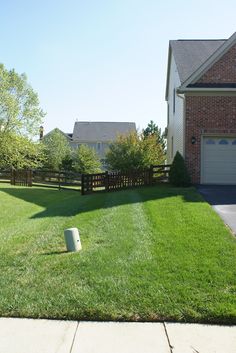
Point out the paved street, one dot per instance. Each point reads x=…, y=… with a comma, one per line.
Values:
x=52, y=336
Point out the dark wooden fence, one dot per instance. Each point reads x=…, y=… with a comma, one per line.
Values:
x=116, y=180
x=5, y=176
x=87, y=183
x=46, y=178
x=21, y=177
x=60, y=179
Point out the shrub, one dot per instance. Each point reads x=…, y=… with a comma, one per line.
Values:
x=179, y=175
x=134, y=151
x=57, y=150
x=86, y=160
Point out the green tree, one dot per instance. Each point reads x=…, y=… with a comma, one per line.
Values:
x=57, y=150
x=153, y=130
x=86, y=160
x=19, y=105
x=20, y=119
x=19, y=152
x=179, y=175
x=134, y=152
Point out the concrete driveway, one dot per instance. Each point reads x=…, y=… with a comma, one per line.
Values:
x=223, y=200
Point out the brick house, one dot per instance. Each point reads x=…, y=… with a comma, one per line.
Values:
x=201, y=99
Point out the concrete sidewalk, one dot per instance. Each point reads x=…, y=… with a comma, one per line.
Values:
x=48, y=336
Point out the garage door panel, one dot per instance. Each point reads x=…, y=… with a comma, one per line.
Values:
x=220, y=175
x=217, y=179
x=219, y=160
x=218, y=164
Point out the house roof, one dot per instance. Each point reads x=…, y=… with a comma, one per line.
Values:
x=210, y=61
x=100, y=131
x=67, y=135
x=189, y=55
x=194, y=57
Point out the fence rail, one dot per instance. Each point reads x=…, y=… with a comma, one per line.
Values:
x=5, y=175
x=47, y=178
x=117, y=180
x=59, y=179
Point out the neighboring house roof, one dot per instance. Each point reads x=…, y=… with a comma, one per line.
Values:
x=194, y=57
x=68, y=136
x=100, y=131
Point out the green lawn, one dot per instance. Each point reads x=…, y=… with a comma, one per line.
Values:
x=148, y=254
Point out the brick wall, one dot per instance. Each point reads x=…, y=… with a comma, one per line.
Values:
x=206, y=114
x=223, y=71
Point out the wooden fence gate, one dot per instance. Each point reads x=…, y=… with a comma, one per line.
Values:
x=21, y=177
x=90, y=182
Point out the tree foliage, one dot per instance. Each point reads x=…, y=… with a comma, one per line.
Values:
x=179, y=175
x=86, y=160
x=20, y=118
x=153, y=130
x=134, y=151
x=19, y=152
x=57, y=150
x=19, y=104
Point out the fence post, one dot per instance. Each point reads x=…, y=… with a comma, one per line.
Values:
x=30, y=177
x=13, y=180
x=106, y=181
x=151, y=172
x=59, y=180
x=82, y=184
x=25, y=178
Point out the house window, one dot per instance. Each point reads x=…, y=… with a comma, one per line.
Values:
x=99, y=146
x=210, y=142
x=223, y=142
x=172, y=147
x=174, y=100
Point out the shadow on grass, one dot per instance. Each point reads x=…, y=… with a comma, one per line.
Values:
x=55, y=253
x=70, y=203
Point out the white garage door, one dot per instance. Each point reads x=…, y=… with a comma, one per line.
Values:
x=219, y=160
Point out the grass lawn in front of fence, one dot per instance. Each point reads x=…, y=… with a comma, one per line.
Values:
x=152, y=253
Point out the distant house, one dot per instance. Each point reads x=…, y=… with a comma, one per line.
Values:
x=201, y=98
x=97, y=135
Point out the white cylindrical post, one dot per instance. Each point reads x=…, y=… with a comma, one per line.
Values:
x=72, y=239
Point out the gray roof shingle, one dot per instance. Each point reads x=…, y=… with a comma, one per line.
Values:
x=100, y=131
x=191, y=54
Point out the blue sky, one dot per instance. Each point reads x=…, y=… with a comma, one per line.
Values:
x=103, y=60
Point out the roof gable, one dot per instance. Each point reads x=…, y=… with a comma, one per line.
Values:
x=189, y=55
x=222, y=72
x=212, y=59
x=68, y=136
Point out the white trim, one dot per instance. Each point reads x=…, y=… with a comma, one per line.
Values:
x=168, y=73
x=205, y=90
